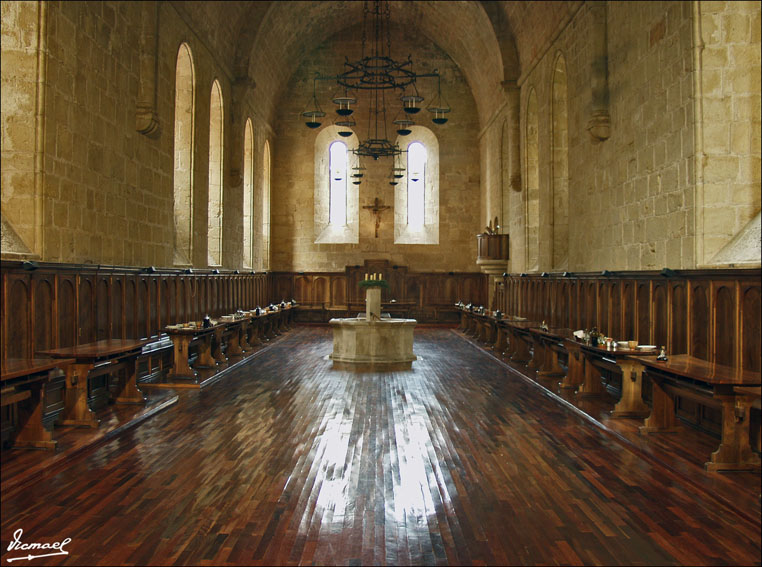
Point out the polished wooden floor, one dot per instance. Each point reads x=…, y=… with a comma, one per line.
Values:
x=458, y=461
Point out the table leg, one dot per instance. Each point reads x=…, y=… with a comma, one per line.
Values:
x=180, y=367
x=521, y=352
x=592, y=385
x=76, y=410
x=205, y=358
x=550, y=366
x=734, y=452
x=662, y=416
x=130, y=394
x=217, y=353
x=31, y=431
x=244, y=337
x=500, y=343
x=575, y=374
x=234, y=342
x=631, y=404
x=538, y=354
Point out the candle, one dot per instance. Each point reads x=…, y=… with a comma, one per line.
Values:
x=366, y=276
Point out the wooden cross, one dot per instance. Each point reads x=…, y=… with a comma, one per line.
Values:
x=377, y=208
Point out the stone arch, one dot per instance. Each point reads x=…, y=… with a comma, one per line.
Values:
x=185, y=85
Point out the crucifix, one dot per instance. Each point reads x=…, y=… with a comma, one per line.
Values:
x=377, y=208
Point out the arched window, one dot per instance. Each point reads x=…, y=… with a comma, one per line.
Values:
x=248, y=195
x=183, y=172
x=416, y=201
x=337, y=158
x=337, y=202
x=532, y=212
x=266, y=207
x=216, y=117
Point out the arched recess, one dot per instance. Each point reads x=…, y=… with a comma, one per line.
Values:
x=532, y=212
x=560, y=166
x=266, y=207
x=416, y=212
x=183, y=173
x=216, y=125
x=326, y=231
x=248, y=195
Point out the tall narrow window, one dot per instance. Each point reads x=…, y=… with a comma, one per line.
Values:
x=416, y=198
x=337, y=168
x=248, y=195
x=266, y=207
x=216, y=117
x=337, y=202
x=416, y=185
x=183, y=172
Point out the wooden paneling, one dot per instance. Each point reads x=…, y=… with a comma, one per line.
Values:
x=59, y=305
x=432, y=296
x=710, y=314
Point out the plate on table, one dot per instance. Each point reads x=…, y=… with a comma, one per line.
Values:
x=647, y=347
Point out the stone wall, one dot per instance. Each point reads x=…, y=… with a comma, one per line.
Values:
x=294, y=248
x=105, y=191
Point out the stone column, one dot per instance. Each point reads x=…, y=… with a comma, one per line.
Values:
x=372, y=303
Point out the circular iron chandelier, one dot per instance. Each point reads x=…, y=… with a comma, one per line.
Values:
x=377, y=72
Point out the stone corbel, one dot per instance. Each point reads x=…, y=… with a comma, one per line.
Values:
x=599, y=124
x=146, y=118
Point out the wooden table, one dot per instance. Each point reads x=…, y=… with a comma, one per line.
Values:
x=182, y=338
x=93, y=359
x=631, y=403
x=24, y=380
x=519, y=339
x=683, y=374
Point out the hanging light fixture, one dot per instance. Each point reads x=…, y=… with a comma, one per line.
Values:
x=439, y=106
x=312, y=115
x=374, y=73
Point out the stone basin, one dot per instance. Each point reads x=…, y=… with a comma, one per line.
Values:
x=376, y=344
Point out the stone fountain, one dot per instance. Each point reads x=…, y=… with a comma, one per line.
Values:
x=373, y=342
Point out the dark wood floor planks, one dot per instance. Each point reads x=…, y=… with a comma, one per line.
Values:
x=458, y=461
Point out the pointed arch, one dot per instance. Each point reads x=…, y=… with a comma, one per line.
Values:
x=185, y=86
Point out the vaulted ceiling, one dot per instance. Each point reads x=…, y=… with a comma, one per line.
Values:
x=489, y=41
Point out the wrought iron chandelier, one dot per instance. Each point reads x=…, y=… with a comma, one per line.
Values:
x=375, y=73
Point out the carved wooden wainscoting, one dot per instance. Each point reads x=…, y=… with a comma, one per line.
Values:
x=709, y=314
x=425, y=296
x=48, y=306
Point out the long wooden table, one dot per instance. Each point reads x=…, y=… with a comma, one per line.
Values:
x=631, y=403
x=685, y=375
x=93, y=359
x=23, y=384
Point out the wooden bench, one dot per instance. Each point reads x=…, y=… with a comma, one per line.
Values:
x=23, y=386
x=94, y=359
x=686, y=376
